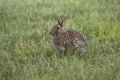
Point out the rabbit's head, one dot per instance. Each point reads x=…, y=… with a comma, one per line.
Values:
x=58, y=28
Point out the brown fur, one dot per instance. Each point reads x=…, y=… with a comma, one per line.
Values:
x=69, y=40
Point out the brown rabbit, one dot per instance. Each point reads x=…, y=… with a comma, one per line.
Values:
x=69, y=40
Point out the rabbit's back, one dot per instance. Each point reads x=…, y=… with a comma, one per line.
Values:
x=77, y=39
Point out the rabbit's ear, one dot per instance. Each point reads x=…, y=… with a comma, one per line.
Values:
x=58, y=19
x=63, y=22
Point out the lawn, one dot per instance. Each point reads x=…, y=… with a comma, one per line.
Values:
x=26, y=49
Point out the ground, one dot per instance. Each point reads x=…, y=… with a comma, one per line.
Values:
x=26, y=50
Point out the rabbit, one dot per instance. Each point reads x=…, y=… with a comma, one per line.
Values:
x=69, y=40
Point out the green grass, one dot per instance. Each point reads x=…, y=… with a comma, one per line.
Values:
x=26, y=50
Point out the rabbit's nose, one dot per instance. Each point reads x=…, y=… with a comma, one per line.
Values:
x=50, y=32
